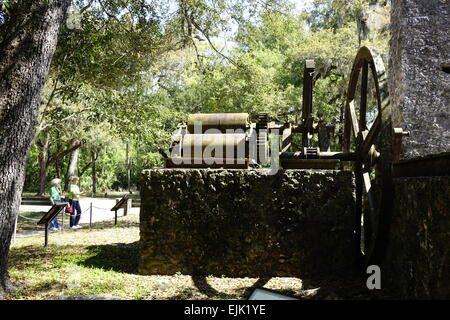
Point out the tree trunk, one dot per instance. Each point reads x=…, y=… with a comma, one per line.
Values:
x=71, y=168
x=43, y=174
x=57, y=169
x=57, y=161
x=128, y=168
x=31, y=33
x=94, y=173
x=45, y=160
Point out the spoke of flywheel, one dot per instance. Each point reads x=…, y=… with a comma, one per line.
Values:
x=363, y=105
x=371, y=135
x=354, y=119
x=370, y=193
x=358, y=205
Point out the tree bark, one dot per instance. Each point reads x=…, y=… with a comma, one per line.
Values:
x=94, y=173
x=71, y=168
x=31, y=33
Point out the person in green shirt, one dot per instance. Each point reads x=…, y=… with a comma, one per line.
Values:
x=74, y=200
x=55, y=198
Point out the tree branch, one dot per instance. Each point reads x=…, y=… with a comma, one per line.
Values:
x=52, y=95
x=112, y=16
x=211, y=44
x=87, y=6
x=63, y=153
x=63, y=119
x=83, y=170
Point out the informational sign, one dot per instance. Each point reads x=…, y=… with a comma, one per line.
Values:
x=49, y=216
x=120, y=203
x=52, y=213
x=264, y=294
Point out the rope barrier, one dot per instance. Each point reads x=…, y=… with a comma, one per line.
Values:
x=76, y=215
x=101, y=208
x=62, y=213
x=68, y=214
x=27, y=218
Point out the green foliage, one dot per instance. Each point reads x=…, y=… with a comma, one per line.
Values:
x=135, y=69
x=32, y=171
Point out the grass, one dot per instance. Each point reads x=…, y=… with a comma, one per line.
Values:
x=104, y=260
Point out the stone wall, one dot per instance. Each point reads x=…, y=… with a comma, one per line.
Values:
x=246, y=223
x=419, y=79
x=417, y=264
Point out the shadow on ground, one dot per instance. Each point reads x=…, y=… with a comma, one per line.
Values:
x=32, y=256
x=203, y=287
x=342, y=288
x=120, y=257
x=325, y=288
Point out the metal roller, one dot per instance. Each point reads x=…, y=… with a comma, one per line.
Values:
x=219, y=121
x=224, y=143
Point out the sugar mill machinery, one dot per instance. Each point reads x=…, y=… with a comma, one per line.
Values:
x=370, y=145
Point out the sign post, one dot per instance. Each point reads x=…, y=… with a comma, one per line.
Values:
x=46, y=235
x=63, y=221
x=118, y=206
x=90, y=216
x=49, y=216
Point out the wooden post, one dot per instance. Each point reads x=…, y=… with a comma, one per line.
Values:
x=287, y=139
x=126, y=207
x=115, y=217
x=323, y=133
x=46, y=235
x=307, y=101
x=63, y=214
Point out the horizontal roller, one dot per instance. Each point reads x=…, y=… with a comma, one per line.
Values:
x=227, y=145
x=220, y=121
x=213, y=140
x=207, y=163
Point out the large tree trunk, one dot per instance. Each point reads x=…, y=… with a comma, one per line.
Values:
x=71, y=168
x=31, y=33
